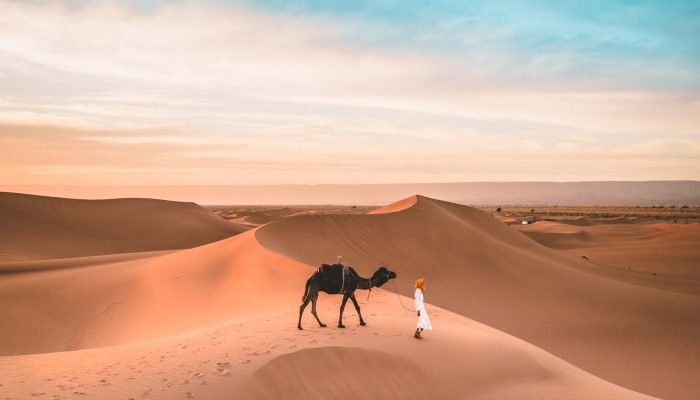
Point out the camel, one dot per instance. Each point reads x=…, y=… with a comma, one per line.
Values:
x=340, y=279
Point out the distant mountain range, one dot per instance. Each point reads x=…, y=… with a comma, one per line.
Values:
x=644, y=193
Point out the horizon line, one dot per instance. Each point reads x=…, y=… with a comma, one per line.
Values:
x=341, y=184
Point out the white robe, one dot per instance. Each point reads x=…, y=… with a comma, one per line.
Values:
x=423, y=320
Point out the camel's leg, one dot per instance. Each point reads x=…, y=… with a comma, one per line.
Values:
x=357, y=307
x=313, y=311
x=301, y=310
x=342, y=308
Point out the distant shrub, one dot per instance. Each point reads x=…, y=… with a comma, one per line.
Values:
x=498, y=209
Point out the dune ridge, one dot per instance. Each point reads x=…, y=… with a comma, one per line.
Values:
x=131, y=301
x=40, y=227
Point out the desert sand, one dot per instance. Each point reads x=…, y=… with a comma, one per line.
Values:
x=514, y=319
x=40, y=227
x=664, y=255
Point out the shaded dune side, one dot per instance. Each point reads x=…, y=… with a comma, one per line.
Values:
x=483, y=269
x=132, y=301
x=38, y=227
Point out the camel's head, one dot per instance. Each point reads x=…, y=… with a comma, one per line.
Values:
x=382, y=276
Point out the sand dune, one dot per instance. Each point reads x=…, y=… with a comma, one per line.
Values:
x=38, y=227
x=239, y=339
x=219, y=320
x=557, y=236
x=400, y=205
x=75, y=262
x=131, y=301
x=465, y=360
x=485, y=270
x=578, y=221
x=659, y=255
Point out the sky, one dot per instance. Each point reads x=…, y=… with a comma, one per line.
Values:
x=269, y=92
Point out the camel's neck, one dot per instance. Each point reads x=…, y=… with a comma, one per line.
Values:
x=365, y=283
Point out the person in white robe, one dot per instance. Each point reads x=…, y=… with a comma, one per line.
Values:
x=423, y=319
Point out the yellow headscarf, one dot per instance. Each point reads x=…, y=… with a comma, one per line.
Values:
x=420, y=284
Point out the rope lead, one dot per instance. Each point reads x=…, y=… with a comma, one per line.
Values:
x=399, y=297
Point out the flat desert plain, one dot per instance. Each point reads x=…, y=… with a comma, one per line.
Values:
x=150, y=299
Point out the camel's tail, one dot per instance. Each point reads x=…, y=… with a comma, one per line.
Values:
x=306, y=290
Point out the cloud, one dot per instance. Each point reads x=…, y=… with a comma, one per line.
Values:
x=171, y=139
x=209, y=89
